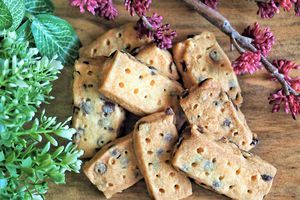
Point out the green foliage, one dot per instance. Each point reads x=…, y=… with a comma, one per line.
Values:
x=39, y=6
x=17, y=11
x=51, y=35
x=5, y=17
x=30, y=155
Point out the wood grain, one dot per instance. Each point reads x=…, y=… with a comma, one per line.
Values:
x=279, y=134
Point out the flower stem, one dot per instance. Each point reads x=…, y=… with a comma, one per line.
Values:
x=218, y=20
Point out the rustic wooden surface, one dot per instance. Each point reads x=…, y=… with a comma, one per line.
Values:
x=278, y=133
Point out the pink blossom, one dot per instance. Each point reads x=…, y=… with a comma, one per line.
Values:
x=248, y=62
x=211, y=3
x=90, y=5
x=290, y=104
x=140, y=7
x=286, y=4
x=161, y=34
x=103, y=8
x=263, y=38
x=267, y=10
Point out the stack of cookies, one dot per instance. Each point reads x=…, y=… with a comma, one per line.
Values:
x=120, y=75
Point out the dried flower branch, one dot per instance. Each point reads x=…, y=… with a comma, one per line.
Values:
x=260, y=43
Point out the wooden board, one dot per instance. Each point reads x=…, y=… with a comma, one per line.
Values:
x=279, y=134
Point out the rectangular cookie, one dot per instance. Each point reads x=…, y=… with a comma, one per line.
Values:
x=208, y=106
x=114, y=168
x=201, y=57
x=137, y=87
x=96, y=119
x=122, y=38
x=154, y=138
x=161, y=59
x=223, y=167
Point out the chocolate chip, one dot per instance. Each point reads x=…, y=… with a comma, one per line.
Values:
x=184, y=67
x=169, y=111
x=100, y=168
x=185, y=93
x=190, y=36
x=108, y=107
x=153, y=70
x=85, y=86
x=216, y=184
x=159, y=152
x=254, y=142
x=226, y=122
x=115, y=153
x=214, y=55
x=86, y=106
x=86, y=62
x=168, y=137
x=266, y=177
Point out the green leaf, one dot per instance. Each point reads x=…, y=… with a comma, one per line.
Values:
x=55, y=36
x=66, y=133
x=5, y=16
x=24, y=32
x=27, y=162
x=2, y=157
x=39, y=6
x=17, y=11
x=51, y=140
x=46, y=148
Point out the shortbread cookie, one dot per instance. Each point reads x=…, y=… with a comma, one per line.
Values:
x=114, y=168
x=137, y=87
x=154, y=138
x=96, y=119
x=201, y=57
x=223, y=167
x=122, y=38
x=161, y=59
x=209, y=107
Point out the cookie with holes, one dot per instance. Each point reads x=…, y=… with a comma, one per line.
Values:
x=114, y=168
x=161, y=59
x=221, y=166
x=201, y=57
x=208, y=106
x=154, y=138
x=137, y=87
x=122, y=38
x=96, y=119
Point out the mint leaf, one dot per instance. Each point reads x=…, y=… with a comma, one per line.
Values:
x=39, y=6
x=5, y=16
x=17, y=11
x=55, y=36
x=24, y=32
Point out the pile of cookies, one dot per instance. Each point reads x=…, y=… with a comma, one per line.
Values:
x=189, y=124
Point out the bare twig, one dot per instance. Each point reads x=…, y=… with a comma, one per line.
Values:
x=218, y=20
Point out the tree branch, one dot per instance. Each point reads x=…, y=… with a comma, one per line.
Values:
x=218, y=20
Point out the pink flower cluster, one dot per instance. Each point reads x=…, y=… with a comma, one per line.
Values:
x=103, y=8
x=161, y=34
x=268, y=10
x=263, y=40
x=140, y=7
x=291, y=103
x=211, y=3
x=248, y=62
